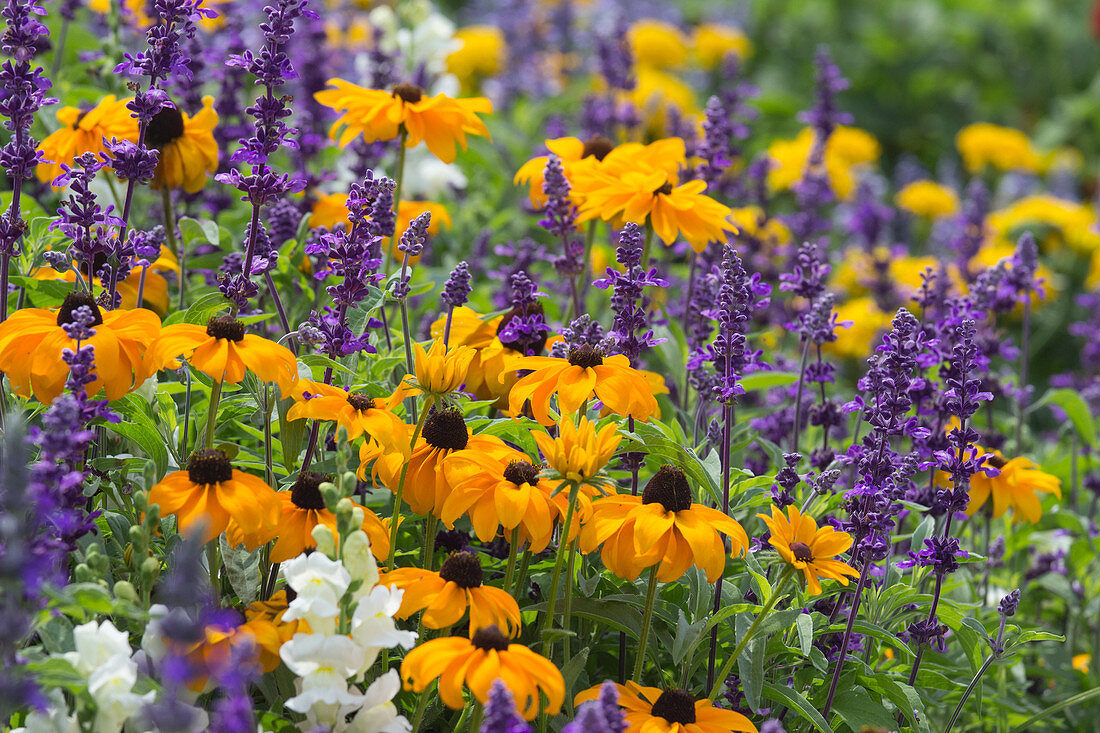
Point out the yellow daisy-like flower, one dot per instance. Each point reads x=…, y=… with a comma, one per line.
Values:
x=586, y=374
x=264, y=620
x=804, y=546
x=571, y=151
x=211, y=492
x=355, y=412
x=657, y=44
x=482, y=54
x=713, y=42
x=1062, y=221
x=663, y=526
x=579, y=452
x=476, y=663
x=928, y=199
x=441, y=370
x=426, y=485
x=502, y=490
x=1016, y=487
x=303, y=508
x=848, y=148
x=440, y=121
x=656, y=710
x=655, y=91
x=82, y=131
x=188, y=150
x=223, y=351
x=32, y=339
x=1003, y=148
x=445, y=596
x=646, y=194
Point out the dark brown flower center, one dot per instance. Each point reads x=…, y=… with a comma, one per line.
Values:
x=490, y=638
x=802, y=552
x=360, y=402
x=166, y=126
x=225, y=327
x=209, y=467
x=585, y=355
x=536, y=347
x=80, y=118
x=669, y=488
x=410, y=93
x=306, y=492
x=597, y=147
x=463, y=569
x=521, y=472
x=446, y=429
x=996, y=461
x=72, y=302
x=675, y=706
x=666, y=189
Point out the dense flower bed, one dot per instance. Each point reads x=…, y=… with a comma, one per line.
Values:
x=374, y=374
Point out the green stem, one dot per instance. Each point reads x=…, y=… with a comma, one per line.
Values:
x=399, y=174
x=647, y=621
x=421, y=707
x=559, y=560
x=969, y=689
x=170, y=234
x=567, y=609
x=429, y=542
x=395, y=518
x=728, y=666
x=521, y=576
x=476, y=715
x=510, y=568
x=213, y=563
x=648, y=243
x=212, y=414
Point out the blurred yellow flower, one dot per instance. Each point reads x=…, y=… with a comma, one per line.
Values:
x=867, y=321
x=1016, y=487
x=928, y=199
x=1004, y=148
x=847, y=148
x=712, y=42
x=1070, y=222
x=770, y=233
x=82, y=131
x=655, y=91
x=657, y=44
x=482, y=53
x=1081, y=662
x=188, y=150
x=990, y=254
x=859, y=271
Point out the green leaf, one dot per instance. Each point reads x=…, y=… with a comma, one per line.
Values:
x=243, y=569
x=146, y=438
x=1077, y=410
x=57, y=635
x=687, y=634
x=1057, y=708
x=767, y=380
x=750, y=665
x=200, y=311
x=1028, y=637
x=805, y=625
x=856, y=708
x=797, y=702
x=573, y=668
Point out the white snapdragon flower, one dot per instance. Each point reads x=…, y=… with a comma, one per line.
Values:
x=111, y=686
x=429, y=178
x=54, y=719
x=320, y=584
x=96, y=643
x=378, y=713
x=372, y=625
x=359, y=561
x=323, y=664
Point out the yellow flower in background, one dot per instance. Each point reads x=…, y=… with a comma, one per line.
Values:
x=188, y=150
x=1003, y=148
x=713, y=42
x=1080, y=662
x=990, y=254
x=847, y=148
x=409, y=210
x=806, y=547
x=866, y=321
x=655, y=90
x=579, y=452
x=1070, y=222
x=571, y=151
x=1092, y=279
x=82, y=131
x=860, y=272
x=133, y=11
x=482, y=53
x=441, y=122
x=750, y=223
x=657, y=44
x=928, y=199
x=1016, y=487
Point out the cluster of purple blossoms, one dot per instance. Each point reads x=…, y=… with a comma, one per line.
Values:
x=738, y=296
x=353, y=255
x=82, y=219
x=524, y=328
x=869, y=218
x=969, y=227
x=560, y=219
x=629, y=335
x=890, y=377
x=411, y=245
x=272, y=68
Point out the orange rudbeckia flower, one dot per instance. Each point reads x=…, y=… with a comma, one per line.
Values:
x=440, y=121
x=804, y=546
x=188, y=150
x=1018, y=486
x=222, y=351
x=585, y=374
x=32, y=339
x=656, y=710
x=83, y=131
x=211, y=492
x=355, y=412
x=445, y=596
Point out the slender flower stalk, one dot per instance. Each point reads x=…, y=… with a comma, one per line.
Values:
x=647, y=621
x=1007, y=608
